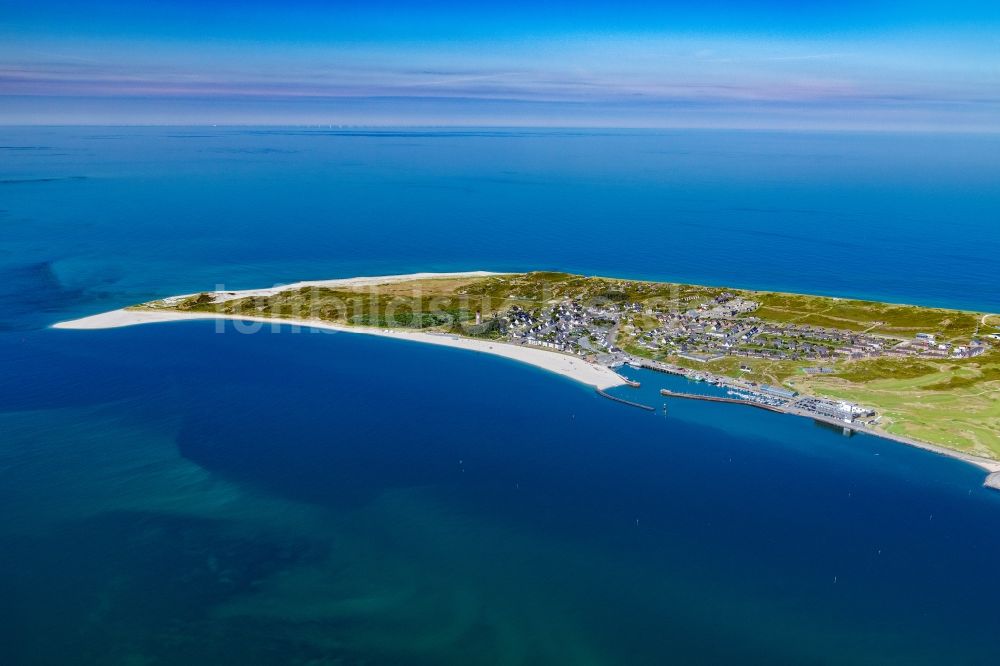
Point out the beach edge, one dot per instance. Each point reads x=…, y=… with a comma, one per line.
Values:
x=575, y=368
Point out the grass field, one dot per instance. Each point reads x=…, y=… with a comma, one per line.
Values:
x=953, y=404
x=762, y=371
x=882, y=318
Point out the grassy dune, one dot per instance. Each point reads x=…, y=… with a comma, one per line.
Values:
x=954, y=404
x=882, y=318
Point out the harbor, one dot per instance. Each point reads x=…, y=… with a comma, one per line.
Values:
x=711, y=398
x=851, y=427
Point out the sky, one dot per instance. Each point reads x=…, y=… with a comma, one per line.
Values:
x=770, y=64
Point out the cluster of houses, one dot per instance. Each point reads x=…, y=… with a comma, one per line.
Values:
x=704, y=335
x=723, y=326
x=725, y=305
x=926, y=345
x=569, y=326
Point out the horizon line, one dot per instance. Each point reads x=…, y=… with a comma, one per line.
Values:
x=579, y=128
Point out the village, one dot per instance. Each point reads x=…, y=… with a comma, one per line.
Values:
x=720, y=328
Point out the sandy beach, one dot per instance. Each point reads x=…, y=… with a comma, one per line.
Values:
x=354, y=282
x=573, y=367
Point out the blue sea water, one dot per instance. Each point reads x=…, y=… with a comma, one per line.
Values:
x=172, y=495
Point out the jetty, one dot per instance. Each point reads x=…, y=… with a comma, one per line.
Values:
x=714, y=398
x=604, y=394
x=847, y=427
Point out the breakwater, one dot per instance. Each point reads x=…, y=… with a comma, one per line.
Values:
x=624, y=401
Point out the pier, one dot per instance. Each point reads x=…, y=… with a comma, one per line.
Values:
x=713, y=398
x=624, y=401
x=846, y=427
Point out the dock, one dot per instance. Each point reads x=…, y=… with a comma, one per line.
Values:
x=713, y=398
x=845, y=427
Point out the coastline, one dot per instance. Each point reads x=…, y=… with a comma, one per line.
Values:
x=600, y=377
x=597, y=376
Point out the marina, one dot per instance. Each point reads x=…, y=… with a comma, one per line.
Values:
x=711, y=398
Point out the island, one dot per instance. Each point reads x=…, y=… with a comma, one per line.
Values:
x=927, y=377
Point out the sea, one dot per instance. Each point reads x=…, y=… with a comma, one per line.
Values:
x=177, y=494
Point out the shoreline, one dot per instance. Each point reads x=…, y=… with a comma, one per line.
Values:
x=596, y=376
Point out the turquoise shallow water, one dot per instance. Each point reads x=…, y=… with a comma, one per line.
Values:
x=172, y=495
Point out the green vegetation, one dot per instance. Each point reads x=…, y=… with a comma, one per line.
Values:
x=340, y=306
x=760, y=370
x=493, y=328
x=198, y=302
x=535, y=289
x=955, y=404
x=880, y=368
x=852, y=315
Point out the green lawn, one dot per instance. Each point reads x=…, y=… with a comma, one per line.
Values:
x=953, y=404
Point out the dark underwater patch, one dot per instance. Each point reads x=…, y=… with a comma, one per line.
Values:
x=28, y=291
x=124, y=584
x=32, y=181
